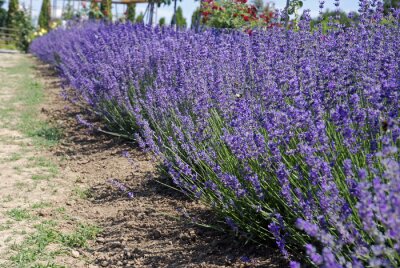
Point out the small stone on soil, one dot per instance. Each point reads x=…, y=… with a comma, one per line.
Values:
x=75, y=254
x=100, y=240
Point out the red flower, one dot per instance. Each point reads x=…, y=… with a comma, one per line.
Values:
x=246, y=18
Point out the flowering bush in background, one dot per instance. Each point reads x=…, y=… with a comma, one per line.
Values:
x=235, y=14
x=288, y=135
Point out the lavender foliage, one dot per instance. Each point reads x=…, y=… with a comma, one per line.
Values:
x=290, y=135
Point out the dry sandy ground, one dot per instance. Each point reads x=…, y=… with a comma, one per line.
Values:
x=154, y=226
x=17, y=190
x=29, y=194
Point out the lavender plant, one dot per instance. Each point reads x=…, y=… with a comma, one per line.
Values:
x=288, y=135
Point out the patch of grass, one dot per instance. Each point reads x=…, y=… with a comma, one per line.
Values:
x=50, y=168
x=41, y=205
x=49, y=133
x=30, y=95
x=6, y=111
x=82, y=192
x=19, y=214
x=40, y=161
x=60, y=210
x=80, y=236
x=21, y=185
x=43, y=162
x=42, y=133
x=5, y=226
x=8, y=198
x=10, y=46
x=48, y=265
x=41, y=177
x=12, y=158
x=34, y=248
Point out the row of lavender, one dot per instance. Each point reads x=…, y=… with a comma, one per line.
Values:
x=290, y=135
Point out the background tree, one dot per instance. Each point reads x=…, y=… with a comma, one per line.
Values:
x=20, y=21
x=169, y=2
x=45, y=15
x=105, y=8
x=140, y=18
x=68, y=13
x=25, y=28
x=3, y=14
x=196, y=19
x=131, y=12
x=94, y=12
x=180, y=20
x=162, y=22
x=12, y=13
x=291, y=7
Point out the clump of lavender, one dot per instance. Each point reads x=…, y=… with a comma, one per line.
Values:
x=289, y=135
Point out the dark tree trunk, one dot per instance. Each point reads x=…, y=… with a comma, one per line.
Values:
x=151, y=12
x=174, y=17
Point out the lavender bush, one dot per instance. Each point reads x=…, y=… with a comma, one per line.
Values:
x=290, y=135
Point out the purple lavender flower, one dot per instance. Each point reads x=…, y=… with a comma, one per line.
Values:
x=301, y=124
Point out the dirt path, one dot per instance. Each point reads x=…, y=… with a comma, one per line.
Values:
x=86, y=203
x=33, y=191
x=18, y=191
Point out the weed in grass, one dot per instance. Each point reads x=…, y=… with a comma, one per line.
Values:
x=19, y=214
